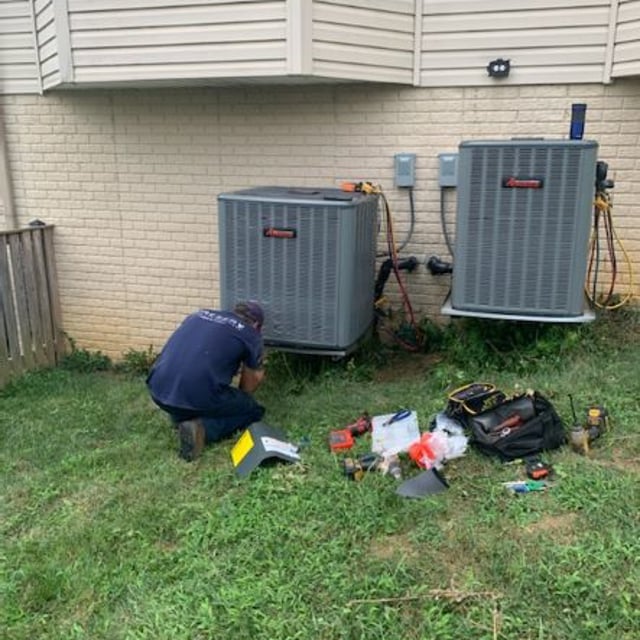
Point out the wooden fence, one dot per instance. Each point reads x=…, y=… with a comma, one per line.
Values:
x=31, y=334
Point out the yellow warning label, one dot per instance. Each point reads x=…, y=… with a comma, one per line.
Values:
x=241, y=448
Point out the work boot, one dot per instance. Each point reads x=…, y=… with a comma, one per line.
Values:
x=191, y=433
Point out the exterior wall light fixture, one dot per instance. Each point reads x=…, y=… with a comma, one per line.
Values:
x=499, y=68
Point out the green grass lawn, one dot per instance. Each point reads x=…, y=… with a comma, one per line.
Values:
x=106, y=534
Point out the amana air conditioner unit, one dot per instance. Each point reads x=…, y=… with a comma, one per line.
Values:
x=522, y=229
x=308, y=255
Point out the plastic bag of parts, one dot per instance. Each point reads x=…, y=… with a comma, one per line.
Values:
x=444, y=442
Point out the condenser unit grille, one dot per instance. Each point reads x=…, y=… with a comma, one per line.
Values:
x=524, y=211
x=307, y=255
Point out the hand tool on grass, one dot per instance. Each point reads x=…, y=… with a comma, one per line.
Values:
x=342, y=439
x=525, y=486
x=536, y=468
x=355, y=468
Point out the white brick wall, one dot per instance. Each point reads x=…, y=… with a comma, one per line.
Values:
x=130, y=178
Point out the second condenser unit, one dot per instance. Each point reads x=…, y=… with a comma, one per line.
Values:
x=522, y=228
x=308, y=255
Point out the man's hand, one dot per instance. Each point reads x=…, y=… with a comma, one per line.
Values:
x=250, y=379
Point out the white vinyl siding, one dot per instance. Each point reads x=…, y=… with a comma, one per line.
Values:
x=47, y=42
x=626, y=58
x=546, y=41
x=137, y=40
x=18, y=68
x=364, y=40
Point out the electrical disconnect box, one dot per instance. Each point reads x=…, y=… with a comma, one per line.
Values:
x=308, y=255
x=448, y=169
x=405, y=169
x=522, y=228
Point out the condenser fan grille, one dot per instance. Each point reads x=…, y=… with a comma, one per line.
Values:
x=308, y=256
x=522, y=227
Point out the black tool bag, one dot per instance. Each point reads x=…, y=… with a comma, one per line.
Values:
x=518, y=427
x=472, y=399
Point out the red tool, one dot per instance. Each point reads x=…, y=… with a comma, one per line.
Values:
x=344, y=438
x=511, y=422
x=341, y=439
x=536, y=468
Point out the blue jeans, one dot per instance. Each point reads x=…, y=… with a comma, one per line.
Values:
x=231, y=409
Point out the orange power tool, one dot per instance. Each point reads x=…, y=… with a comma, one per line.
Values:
x=342, y=439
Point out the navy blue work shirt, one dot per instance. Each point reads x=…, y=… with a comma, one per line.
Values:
x=201, y=357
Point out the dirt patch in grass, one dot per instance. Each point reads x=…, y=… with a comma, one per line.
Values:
x=392, y=546
x=627, y=464
x=444, y=566
x=621, y=462
x=560, y=527
x=407, y=366
x=165, y=546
